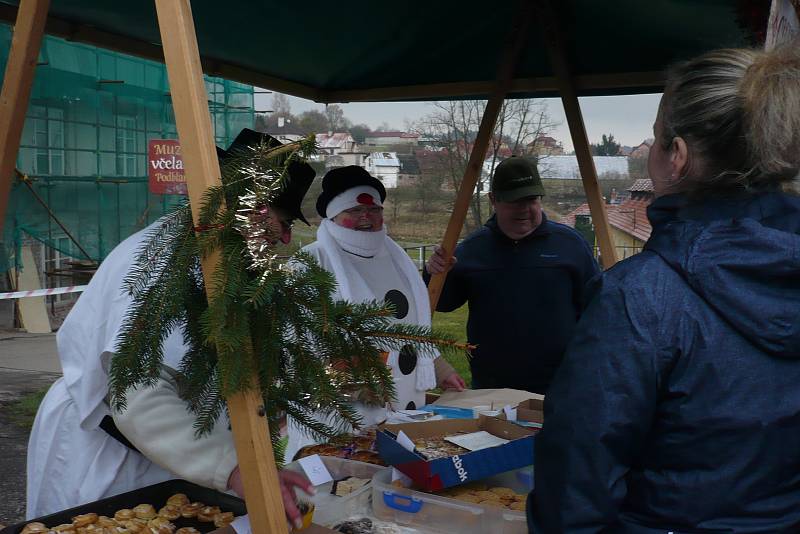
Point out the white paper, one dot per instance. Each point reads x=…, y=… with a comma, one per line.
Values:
x=315, y=470
x=420, y=415
x=511, y=413
x=476, y=441
x=405, y=441
x=397, y=475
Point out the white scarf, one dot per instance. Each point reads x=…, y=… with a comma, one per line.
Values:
x=352, y=287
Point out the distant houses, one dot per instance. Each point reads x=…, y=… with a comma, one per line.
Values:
x=385, y=166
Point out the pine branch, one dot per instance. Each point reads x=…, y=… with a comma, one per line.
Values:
x=312, y=355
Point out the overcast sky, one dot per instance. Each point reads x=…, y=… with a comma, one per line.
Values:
x=628, y=118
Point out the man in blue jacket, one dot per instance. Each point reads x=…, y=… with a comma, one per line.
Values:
x=523, y=277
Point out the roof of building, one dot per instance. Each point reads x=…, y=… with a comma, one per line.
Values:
x=629, y=217
x=336, y=140
x=392, y=134
x=384, y=159
x=643, y=185
x=566, y=167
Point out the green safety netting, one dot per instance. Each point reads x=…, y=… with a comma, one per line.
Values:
x=84, y=146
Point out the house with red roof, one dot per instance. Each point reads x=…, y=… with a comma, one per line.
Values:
x=630, y=228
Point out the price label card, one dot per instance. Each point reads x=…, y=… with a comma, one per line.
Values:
x=315, y=470
x=476, y=441
x=405, y=441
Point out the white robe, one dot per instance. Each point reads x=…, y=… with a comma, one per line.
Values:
x=71, y=461
x=363, y=263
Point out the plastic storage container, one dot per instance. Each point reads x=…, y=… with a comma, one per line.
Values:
x=433, y=513
x=330, y=509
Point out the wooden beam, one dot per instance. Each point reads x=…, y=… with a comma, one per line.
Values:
x=555, y=42
x=193, y=120
x=517, y=38
x=15, y=95
x=632, y=82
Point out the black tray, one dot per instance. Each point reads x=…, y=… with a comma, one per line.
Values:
x=156, y=495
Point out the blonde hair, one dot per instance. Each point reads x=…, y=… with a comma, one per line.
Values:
x=739, y=112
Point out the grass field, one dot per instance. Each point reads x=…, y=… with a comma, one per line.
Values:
x=454, y=324
x=23, y=411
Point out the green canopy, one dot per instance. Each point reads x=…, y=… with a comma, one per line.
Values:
x=407, y=50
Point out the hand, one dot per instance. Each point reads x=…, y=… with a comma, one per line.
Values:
x=235, y=482
x=289, y=481
x=437, y=263
x=453, y=381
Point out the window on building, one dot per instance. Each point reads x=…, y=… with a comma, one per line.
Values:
x=48, y=138
x=127, y=155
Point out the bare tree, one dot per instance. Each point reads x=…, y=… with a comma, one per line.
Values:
x=455, y=124
x=280, y=104
x=335, y=115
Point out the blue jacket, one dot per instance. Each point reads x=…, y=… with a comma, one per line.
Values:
x=525, y=298
x=677, y=407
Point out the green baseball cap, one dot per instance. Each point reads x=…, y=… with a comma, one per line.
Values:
x=516, y=178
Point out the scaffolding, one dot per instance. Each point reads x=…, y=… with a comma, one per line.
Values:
x=84, y=149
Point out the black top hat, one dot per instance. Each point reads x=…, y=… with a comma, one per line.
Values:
x=301, y=174
x=340, y=180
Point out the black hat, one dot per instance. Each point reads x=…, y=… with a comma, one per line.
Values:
x=341, y=179
x=516, y=178
x=301, y=174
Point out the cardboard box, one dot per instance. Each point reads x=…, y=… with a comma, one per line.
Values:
x=440, y=473
x=531, y=410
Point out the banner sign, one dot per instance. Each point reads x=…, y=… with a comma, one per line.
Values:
x=165, y=167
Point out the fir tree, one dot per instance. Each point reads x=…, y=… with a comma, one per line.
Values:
x=312, y=355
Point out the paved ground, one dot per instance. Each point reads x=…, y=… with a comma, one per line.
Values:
x=28, y=363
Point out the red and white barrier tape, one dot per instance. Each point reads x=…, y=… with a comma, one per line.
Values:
x=42, y=292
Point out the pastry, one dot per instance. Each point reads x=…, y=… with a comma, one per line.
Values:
x=34, y=527
x=190, y=510
x=487, y=496
x=179, y=499
x=369, y=457
x=84, y=520
x=187, y=530
x=467, y=497
x=104, y=521
x=223, y=519
x=492, y=502
x=503, y=492
x=361, y=526
x=518, y=506
x=132, y=526
x=144, y=511
x=207, y=513
x=159, y=525
x=170, y=512
x=126, y=514
x=348, y=485
x=66, y=528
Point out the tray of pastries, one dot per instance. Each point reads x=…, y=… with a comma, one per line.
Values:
x=357, y=447
x=171, y=507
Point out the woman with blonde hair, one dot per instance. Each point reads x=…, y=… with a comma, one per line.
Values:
x=687, y=418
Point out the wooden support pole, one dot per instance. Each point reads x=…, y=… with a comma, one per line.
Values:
x=518, y=37
x=555, y=43
x=193, y=119
x=16, y=92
